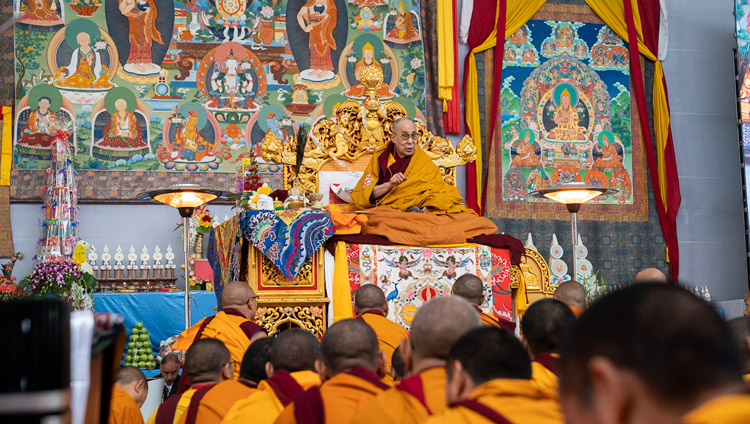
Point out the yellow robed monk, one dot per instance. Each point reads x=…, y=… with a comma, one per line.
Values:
x=402, y=176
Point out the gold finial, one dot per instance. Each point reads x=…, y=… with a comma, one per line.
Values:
x=371, y=77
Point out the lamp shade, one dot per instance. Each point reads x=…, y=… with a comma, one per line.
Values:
x=184, y=197
x=574, y=193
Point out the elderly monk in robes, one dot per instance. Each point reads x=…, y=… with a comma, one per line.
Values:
x=350, y=368
x=211, y=403
x=234, y=325
x=436, y=326
x=542, y=329
x=469, y=287
x=572, y=294
x=253, y=369
x=128, y=395
x=651, y=353
x=402, y=178
x=291, y=371
x=371, y=306
x=206, y=363
x=741, y=333
x=489, y=380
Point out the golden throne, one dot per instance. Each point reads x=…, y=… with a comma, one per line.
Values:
x=343, y=142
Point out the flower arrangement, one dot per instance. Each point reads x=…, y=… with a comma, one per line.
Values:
x=197, y=283
x=201, y=223
x=62, y=278
x=8, y=288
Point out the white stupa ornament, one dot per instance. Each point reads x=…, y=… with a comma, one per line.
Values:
x=530, y=243
x=92, y=257
x=106, y=257
x=145, y=257
x=169, y=256
x=157, y=256
x=119, y=257
x=132, y=258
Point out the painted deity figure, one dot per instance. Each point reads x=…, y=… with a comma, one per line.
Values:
x=232, y=86
x=525, y=152
x=404, y=31
x=40, y=11
x=85, y=69
x=368, y=59
x=41, y=129
x=318, y=18
x=745, y=99
x=566, y=118
x=123, y=129
x=275, y=126
x=610, y=157
x=142, y=33
x=192, y=145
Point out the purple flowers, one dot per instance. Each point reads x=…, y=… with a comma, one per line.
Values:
x=54, y=277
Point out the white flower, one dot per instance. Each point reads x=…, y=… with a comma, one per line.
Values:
x=100, y=45
x=267, y=12
x=415, y=63
x=245, y=66
x=385, y=60
x=351, y=59
x=86, y=268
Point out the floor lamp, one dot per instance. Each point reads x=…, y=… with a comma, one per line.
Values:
x=573, y=195
x=185, y=198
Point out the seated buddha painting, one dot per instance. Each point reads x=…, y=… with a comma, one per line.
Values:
x=81, y=58
x=120, y=127
x=230, y=78
x=401, y=25
x=41, y=113
x=367, y=50
x=192, y=140
x=41, y=13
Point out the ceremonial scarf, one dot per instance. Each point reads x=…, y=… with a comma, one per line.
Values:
x=413, y=386
x=483, y=410
x=388, y=168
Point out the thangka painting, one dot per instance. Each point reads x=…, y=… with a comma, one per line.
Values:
x=566, y=115
x=410, y=276
x=742, y=14
x=193, y=86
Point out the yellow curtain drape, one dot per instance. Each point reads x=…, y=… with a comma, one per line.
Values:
x=342, y=296
x=613, y=14
x=518, y=12
x=445, y=34
x=6, y=154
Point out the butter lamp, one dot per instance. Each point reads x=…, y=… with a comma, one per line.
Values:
x=185, y=198
x=573, y=195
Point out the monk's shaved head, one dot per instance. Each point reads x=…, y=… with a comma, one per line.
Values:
x=205, y=359
x=253, y=367
x=571, y=293
x=544, y=324
x=369, y=296
x=399, y=121
x=236, y=293
x=487, y=353
x=439, y=323
x=295, y=350
x=128, y=375
x=349, y=343
x=469, y=286
x=669, y=340
x=740, y=328
x=650, y=275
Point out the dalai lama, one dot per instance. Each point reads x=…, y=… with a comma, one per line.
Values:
x=401, y=179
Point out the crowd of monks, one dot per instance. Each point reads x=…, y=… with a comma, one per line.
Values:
x=648, y=353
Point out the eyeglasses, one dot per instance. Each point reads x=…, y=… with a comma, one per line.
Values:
x=251, y=298
x=406, y=136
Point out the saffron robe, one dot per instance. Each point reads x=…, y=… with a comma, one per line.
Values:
x=543, y=371
x=729, y=409
x=493, y=321
x=183, y=400
x=229, y=326
x=389, y=335
x=215, y=403
x=424, y=186
x=123, y=409
x=412, y=400
x=520, y=401
x=265, y=405
x=342, y=396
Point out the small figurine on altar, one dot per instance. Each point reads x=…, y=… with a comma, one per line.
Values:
x=144, y=262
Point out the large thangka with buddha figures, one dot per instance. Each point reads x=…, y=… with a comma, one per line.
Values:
x=152, y=87
x=566, y=115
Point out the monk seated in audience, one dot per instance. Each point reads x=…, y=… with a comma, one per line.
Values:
x=233, y=326
x=489, y=380
x=741, y=332
x=371, y=307
x=651, y=353
x=291, y=371
x=542, y=327
x=128, y=395
x=398, y=367
x=572, y=294
x=469, y=287
x=350, y=367
x=402, y=178
x=436, y=325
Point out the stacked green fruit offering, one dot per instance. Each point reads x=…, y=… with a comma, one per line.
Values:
x=139, y=353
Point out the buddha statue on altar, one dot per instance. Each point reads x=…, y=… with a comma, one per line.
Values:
x=368, y=60
x=566, y=121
